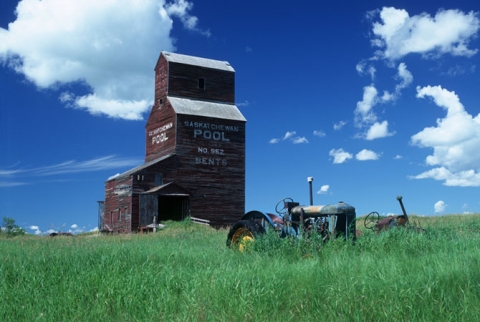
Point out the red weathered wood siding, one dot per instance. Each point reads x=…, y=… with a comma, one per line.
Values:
x=160, y=131
x=183, y=81
x=161, y=79
x=118, y=211
x=213, y=167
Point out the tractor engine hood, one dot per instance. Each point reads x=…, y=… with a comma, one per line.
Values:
x=340, y=208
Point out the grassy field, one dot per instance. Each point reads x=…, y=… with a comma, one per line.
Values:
x=185, y=273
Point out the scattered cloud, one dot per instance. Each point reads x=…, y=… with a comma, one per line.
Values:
x=397, y=157
x=67, y=167
x=299, y=140
x=340, y=156
x=290, y=136
x=74, y=229
x=460, y=69
x=455, y=140
x=363, y=112
x=180, y=9
x=465, y=209
x=243, y=104
x=366, y=155
x=320, y=134
x=378, y=130
x=323, y=189
x=365, y=115
x=60, y=42
x=36, y=230
x=338, y=126
x=4, y=184
x=439, y=206
x=397, y=34
x=405, y=77
x=366, y=68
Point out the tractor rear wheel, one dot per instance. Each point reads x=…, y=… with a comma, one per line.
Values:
x=243, y=233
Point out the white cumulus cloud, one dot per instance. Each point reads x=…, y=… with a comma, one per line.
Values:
x=110, y=47
x=378, y=130
x=455, y=141
x=366, y=155
x=323, y=189
x=340, y=156
x=398, y=34
x=439, y=206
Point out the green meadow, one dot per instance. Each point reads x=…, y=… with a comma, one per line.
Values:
x=185, y=273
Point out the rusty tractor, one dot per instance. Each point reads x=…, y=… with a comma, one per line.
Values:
x=293, y=220
x=372, y=221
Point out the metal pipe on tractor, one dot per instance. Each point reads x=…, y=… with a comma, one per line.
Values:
x=310, y=180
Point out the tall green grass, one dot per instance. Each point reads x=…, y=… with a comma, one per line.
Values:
x=185, y=273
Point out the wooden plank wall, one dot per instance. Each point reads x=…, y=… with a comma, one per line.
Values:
x=183, y=82
x=160, y=132
x=213, y=167
x=118, y=211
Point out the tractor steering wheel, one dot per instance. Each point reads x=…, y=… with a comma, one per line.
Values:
x=371, y=220
x=281, y=208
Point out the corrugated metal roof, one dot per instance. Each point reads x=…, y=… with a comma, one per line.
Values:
x=140, y=167
x=198, y=61
x=208, y=109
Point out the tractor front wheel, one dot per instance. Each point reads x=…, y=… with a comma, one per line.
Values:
x=243, y=233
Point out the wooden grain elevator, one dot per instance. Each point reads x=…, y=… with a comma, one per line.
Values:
x=194, y=151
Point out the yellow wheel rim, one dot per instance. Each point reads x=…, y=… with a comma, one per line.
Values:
x=245, y=244
x=243, y=238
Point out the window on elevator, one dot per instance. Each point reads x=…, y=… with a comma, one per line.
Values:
x=201, y=83
x=158, y=179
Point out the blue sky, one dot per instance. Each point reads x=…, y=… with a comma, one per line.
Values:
x=373, y=99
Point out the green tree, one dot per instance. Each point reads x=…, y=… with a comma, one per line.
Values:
x=10, y=228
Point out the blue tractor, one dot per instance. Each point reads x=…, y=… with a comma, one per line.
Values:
x=292, y=219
